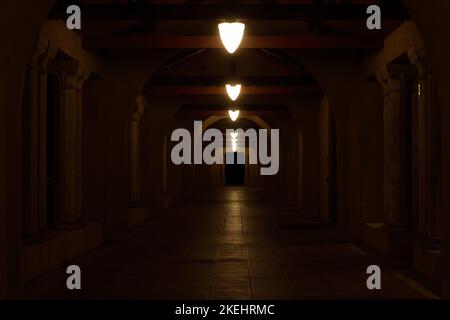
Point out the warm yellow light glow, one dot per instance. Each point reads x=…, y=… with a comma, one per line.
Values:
x=233, y=114
x=231, y=35
x=233, y=91
x=234, y=141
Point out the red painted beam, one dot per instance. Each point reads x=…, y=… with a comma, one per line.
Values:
x=249, y=42
x=253, y=90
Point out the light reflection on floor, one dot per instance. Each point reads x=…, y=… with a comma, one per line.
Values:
x=228, y=244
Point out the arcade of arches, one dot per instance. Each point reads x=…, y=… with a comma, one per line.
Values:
x=86, y=176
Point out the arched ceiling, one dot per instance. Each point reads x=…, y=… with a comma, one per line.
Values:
x=206, y=72
x=202, y=67
x=271, y=23
x=271, y=27
x=207, y=111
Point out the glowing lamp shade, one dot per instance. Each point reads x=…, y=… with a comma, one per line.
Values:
x=233, y=91
x=231, y=35
x=233, y=114
x=234, y=141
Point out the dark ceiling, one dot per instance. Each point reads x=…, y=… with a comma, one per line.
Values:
x=202, y=67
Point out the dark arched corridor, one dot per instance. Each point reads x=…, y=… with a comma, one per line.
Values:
x=115, y=141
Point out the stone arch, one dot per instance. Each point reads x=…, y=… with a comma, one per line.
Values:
x=430, y=16
x=13, y=60
x=335, y=75
x=258, y=120
x=207, y=123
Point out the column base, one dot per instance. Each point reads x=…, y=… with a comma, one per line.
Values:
x=37, y=237
x=387, y=240
x=32, y=238
x=427, y=253
x=58, y=250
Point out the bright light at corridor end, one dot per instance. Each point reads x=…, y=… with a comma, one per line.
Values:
x=233, y=114
x=234, y=141
x=233, y=91
x=231, y=35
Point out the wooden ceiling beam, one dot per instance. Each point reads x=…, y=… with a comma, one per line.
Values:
x=222, y=108
x=310, y=90
x=224, y=113
x=246, y=81
x=249, y=42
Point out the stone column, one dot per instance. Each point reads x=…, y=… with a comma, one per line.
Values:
x=396, y=80
x=42, y=151
x=428, y=219
x=84, y=76
x=70, y=73
x=31, y=110
x=35, y=107
x=135, y=146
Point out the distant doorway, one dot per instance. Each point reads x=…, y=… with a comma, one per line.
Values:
x=235, y=173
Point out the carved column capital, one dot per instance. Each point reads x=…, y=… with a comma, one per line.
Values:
x=418, y=56
x=396, y=77
x=69, y=73
x=382, y=76
x=83, y=77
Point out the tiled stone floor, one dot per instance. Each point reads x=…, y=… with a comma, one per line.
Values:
x=229, y=244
